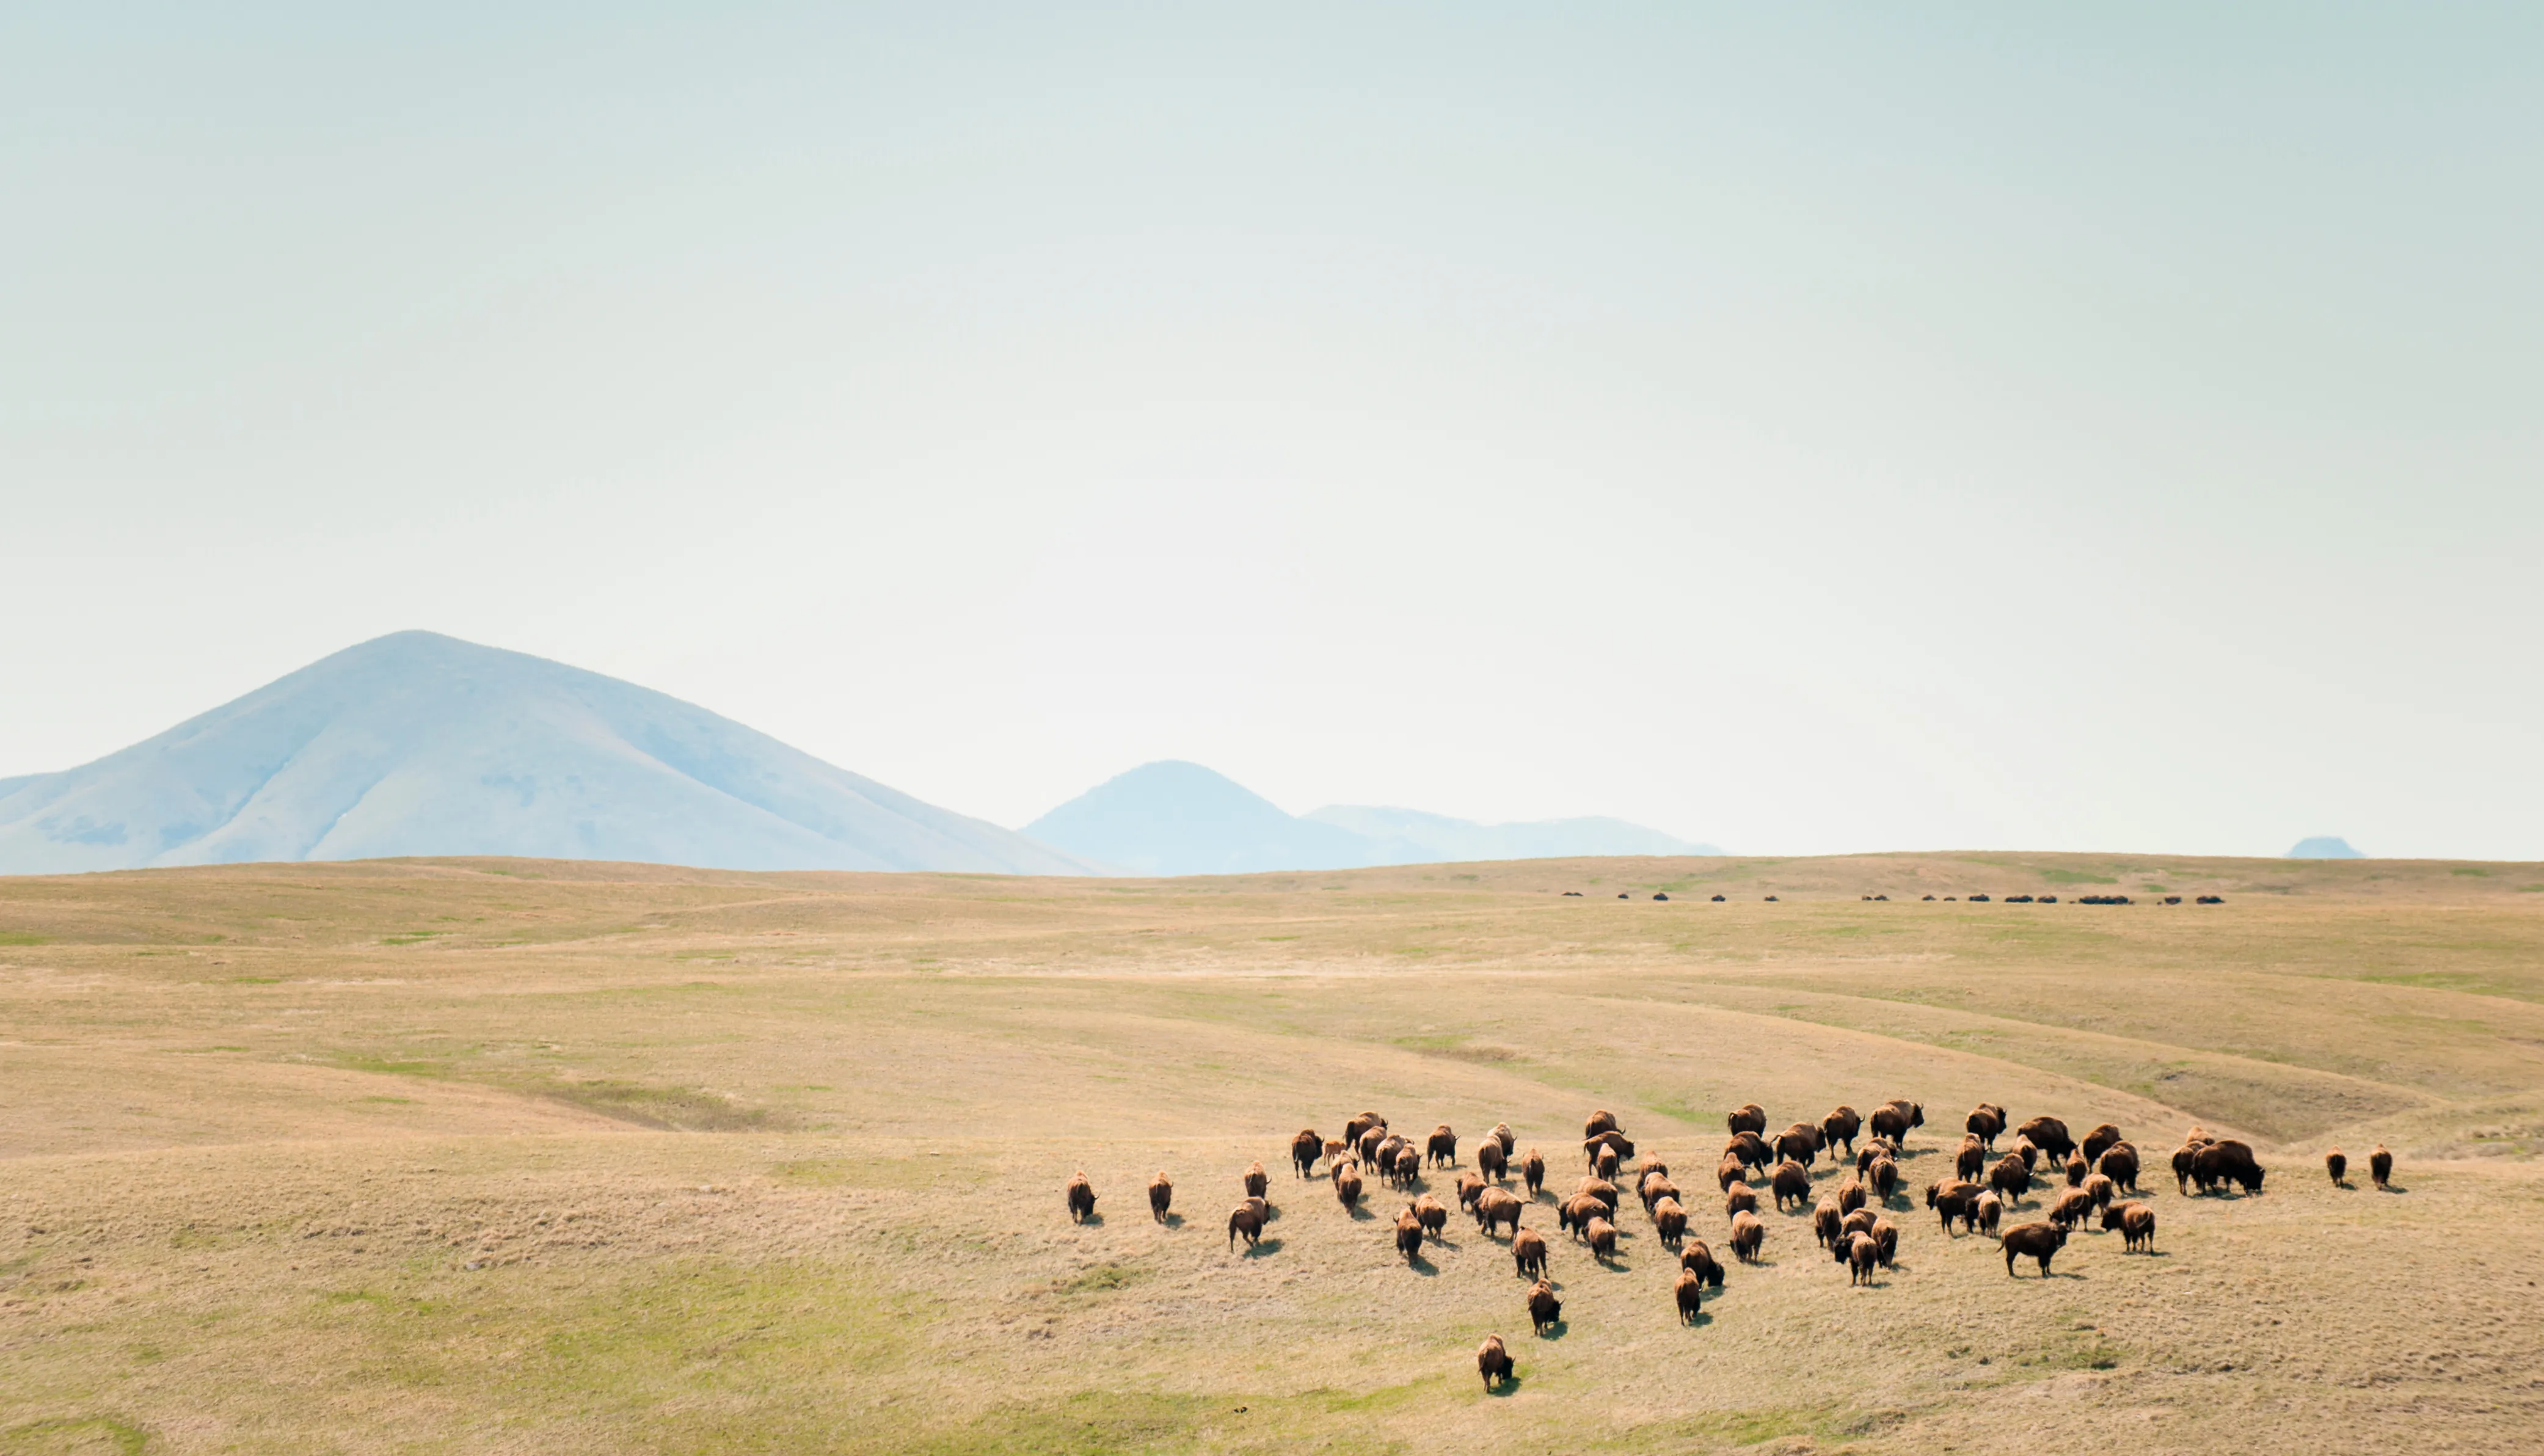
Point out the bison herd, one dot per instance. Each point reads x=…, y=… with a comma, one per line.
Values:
x=2092, y=1181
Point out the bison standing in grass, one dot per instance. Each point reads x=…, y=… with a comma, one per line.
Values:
x=1353, y=1129
x=1859, y=1253
x=1986, y=1212
x=1347, y=1186
x=1655, y=1187
x=1441, y=1147
x=1793, y=1184
x=1600, y=1121
x=2072, y=1208
x=2227, y=1162
x=1689, y=1291
x=2380, y=1167
x=1432, y=1214
x=1971, y=1158
x=1892, y=1119
x=1748, y=1117
x=1493, y=1362
x=1502, y=1135
x=2186, y=1160
x=1824, y=1222
x=1498, y=1207
x=1492, y=1161
x=2136, y=1223
x=1600, y=1236
x=1738, y=1199
x=1883, y=1174
x=1850, y=1196
x=1841, y=1126
x=2010, y=1177
x=1985, y=1121
x=1528, y=1252
x=2049, y=1135
x=2102, y=1137
x=1408, y=1235
x=1671, y=1221
x=1258, y=1181
x=1305, y=1148
x=1081, y=1198
x=1958, y=1199
x=1799, y=1143
x=2119, y=1164
x=2039, y=1242
x=1532, y=1171
x=1469, y=1188
x=1544, y=1308
x=2336, y=1163
x=1246, y=1220
x=1161, y=1197
x=1748, y=1235
x=2100, y=1188
x=1698, y=1259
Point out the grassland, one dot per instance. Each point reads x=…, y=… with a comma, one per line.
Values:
x=467, y=1156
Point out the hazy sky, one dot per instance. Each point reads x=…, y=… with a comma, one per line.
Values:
x=1801, y=428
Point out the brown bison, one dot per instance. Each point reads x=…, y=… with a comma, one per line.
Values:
x=1469, y=1188
x=1347, y=1186
x=2100, y=1188
x=1532, y=1171
x=1432, y=1214
x=1859, y=1222
x=1824, y=1221
x=1611, y=1141
x=1671, y=1221
x=1493, y=1362
x=1496, y=1207
x=2136, y=1223
x=1647, y=1164
x=1892, y=1119
x=1441, y=1147
x=1544, y=1308
x=1336, y=1150
x=2103, y=1136
x=1875, y=1148
x=1161, y=1197
x=1527, y=1251
x=1698, y=1259
x=1748, y=1117
x=1382, y=1155
x=2119, y=1164
x=1985, y=1121
x=2336, y=1163
x=2049, y=1135
x=1575, y=1213
x=2072, y=1208
x=1971, y=1158
x=2185, y=1160
x=2076, y=1170
x=1689, y=1291
x=1600, y=1121
x=1492, y=1161
x=1305, y=1148
x=1601, y=1189
x=1600, y=1236
x=2010, y=1177
x=2231, y=1162
x=1987, y=1210
x=1850, y=1196
x=1353, y=1129
x=1408, y=1165
x=1798, y=1144
x=1607, y=1163
x=1859, y=1253
x=1791, y=1184
x=2030, y=1155
x=1750, y=1149
x=1956, y=1200
x=1408, y=1235
x=1885, y=1239
x=1247, y=1219
x=1081, y=1198
x=1841, y=1126
x=1366, y=1146
x=2032, y=1241
x=1655, y=1187
x=1730, y=1170
x=1738, y=1199
x=1883, y=1174
x=1747, y=1235
x=1503, y=1136
x=1258, y=1181
x=2380, y=1166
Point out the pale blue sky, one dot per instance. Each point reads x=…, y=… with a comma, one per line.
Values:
x=1806, y=432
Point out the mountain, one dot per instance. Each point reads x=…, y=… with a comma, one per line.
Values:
x=420, y=744
x=2323, y=847
x=1177, y=818
x=1441, y=838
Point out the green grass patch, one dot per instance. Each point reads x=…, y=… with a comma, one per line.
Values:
x=21, y=937
x=255, y=980
x=2077, y=877
x=82, y=1434
x=418, y=938
x=1103, y=1279
x=2467, y=869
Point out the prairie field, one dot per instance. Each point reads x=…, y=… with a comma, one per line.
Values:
x=549, y=1157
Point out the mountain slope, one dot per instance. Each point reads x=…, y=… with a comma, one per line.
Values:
x=1438, y=836
x=1178, y=818
x=420, y=744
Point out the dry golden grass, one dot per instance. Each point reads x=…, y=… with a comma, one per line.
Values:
x=541, y=1157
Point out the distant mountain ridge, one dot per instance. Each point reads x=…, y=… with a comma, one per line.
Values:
x=1175, y=818
x=2323, y=847
x=418, y=743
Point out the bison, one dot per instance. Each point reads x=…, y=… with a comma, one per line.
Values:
x=1611, y=1141
x=2049, y=1135
x=1883, y=1174
x=1850, y=1196
x=2186, y=1160
x=1492, y=1161
x=1985, y=1121
x=1671, y=1221
x=1885, y=1238
x=1507, y=1140
x=2336, y=1163
x=2100, y=1188
x=1575, y=1213
x=1971, y=1159
x=1730, y=1170
x=1698, y=1259
x=1986, y=1211
x=1469, y=1188
x=1601, y=1189
x=2076, y=1170
x=1532, y=1171
x=1958, y=1199
x=1258, y=1181
x=1859, y=1253
x=2010, y=1177
x=1161, y=1197
x=1527, y=1251
x=1496, y=1207
x=1493, y=1362
x=1655, y=1187
x=1859, y=1222
x=1347, y=1186
x=2072, y=1208
x=1738, y=1199
x=2030, y=1155
x=1544, y=1308
x=1247, y=1219
x=1689, y=1291
x=1353, y=1129
x=1441, y=1147
x=1081, y=1198
x=2103, y=1136
x=1892, y=1119
x=1824, y=1221
x=1747, y=1235
x=1305, y=1148
x=1750, y=1149
x=2136, y=1223
x=2380, y=1166
x=1748, y=1117
x=1600, y=1121
x=1432, y=1214
x=1791, y=1184
x=1336, y=1150
x=1600, y=1236
x=1408, y=1235
x=1408, y=1165
x=1841, y=1126
x=1798, y=1144
x=2231, y=1162
x=1606, y=1162
x=2119, y=1164
x=2032, y=1241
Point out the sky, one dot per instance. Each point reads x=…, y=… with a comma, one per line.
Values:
x=1806, y=430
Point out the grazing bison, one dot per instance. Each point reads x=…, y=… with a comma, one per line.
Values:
x=1432, y=1214
x=1441, y=1147
x=1611, y=1141
x=1600, y=1236
x=1532, y=1171
x=1408, y=1165
x=1408, y=1235
x=1730, y=1170
x=2049, y=1135
x=2231, y=1162
x=1347, y=1186
x=1469, y=1188
x=1875, y=1148
x=1336, y=1150
x=1750, y=1149
x=1258, y=1181
x=1859, y=1253
x=1493, y=1362
x=2103, y=1136
x=1841, y=1126
x=2100, y=1188
x=1747, y=1235
x=2076, y=1170
x=1885, y=1238
x=1793, y=1184
x=2010, y=1177
x=1575, y=1213
x=1607, y=1163
x=1689, y=1291
x=2136, y=1223
x=1496, y=1207
x=1600, y=1121
x=1798, y=1144
x=1850, y=1196
x=1655, y=1187
x=1985, y=1121
x=1502, y=1135
x=1491, y=1160
x=1738, y=1199
x=1353, y=1129
x=1601, y=1189
x=1971, y=1159
x=1698, y=1259
x=2185, y=1160
x=1892, y=1119
x=1544, y=1308
x=1671, y=1222
x=1161, y=1197
x=1246, y=1218
x=2030, y=1155
x=2336, y=1163
x=2032, y=1241
x=1986, y=1211
x=2119, y=1164
x=1883, y=1174
x=1305, y=1148
x=1824, y=1221
x=2072, y=1208
x=1859, y=1222
x=1081, y=1198
x=2380, y=1166
x=1958, y=1199
x=1748, y=1117
x=1527, y=1251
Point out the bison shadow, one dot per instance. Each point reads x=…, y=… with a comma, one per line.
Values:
x=1423, y=1266
x=1093, y=1220
x=1175, y=1220
x=1361, y=1211
x=1509, y=1383
x=1439, y=1243
x=1553, y=1330
x=1262, y=1246
x=2392, y=1188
